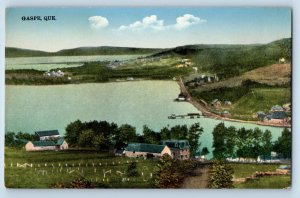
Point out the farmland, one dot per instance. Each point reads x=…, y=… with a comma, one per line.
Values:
x=52, y=167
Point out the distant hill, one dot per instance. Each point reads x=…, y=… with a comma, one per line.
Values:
x=224, y=60
x=80, y=51
x=233, y=60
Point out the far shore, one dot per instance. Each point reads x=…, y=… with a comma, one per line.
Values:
x=208, y=114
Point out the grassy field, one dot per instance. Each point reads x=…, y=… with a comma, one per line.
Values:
x=51, y=167
x=261, y=99
x=268, y=182
x=246, y=170
x=273, y=182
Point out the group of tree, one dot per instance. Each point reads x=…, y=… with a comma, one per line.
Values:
x=18, y=139
x=171, y=173
x=103, y=135
x=249, y=143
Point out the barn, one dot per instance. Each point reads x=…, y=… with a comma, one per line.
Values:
x=41, y=145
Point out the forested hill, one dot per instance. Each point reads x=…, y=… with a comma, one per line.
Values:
x=80, y=51
x=233, y=60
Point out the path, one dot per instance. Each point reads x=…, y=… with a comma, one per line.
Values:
x=201, y=180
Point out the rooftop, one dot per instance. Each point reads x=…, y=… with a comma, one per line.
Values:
x=180, y=144
x=47, y=133
x=141, y=147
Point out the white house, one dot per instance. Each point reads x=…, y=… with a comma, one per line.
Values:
x=146, y=150
x=60, y=144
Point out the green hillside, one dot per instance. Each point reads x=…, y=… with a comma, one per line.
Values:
x=80, y=51
x=233, y=60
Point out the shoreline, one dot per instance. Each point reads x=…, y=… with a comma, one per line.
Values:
x=208, y=114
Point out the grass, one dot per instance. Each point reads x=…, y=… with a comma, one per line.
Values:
x=261, y=99
x=91, y=165
x=272, y=182
x=246, y=170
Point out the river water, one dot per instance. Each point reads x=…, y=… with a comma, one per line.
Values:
x=33, y=108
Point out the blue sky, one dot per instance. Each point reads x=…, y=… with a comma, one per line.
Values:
x=145, y=27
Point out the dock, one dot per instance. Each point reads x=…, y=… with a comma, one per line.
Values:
x=189, y=115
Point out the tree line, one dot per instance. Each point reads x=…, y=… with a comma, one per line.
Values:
x=249, y=143
x=103, y=135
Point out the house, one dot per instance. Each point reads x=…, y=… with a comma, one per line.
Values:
x=276, y=108
x=146, y=150
x=46, y=135
x=261, y=115
x=119, y=152
x=287, y=107
x=277, y=117
x=216, y=103
x=227, y=103
x=129, y=78
x=225, y=114
x=60, y=144
x=281, y=60
x=181, y=97
x=180, y=148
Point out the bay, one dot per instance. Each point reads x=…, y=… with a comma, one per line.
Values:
x=53, y=62
x=138, y=103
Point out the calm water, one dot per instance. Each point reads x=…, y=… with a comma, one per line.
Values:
x=32, y=108
x=52, y=62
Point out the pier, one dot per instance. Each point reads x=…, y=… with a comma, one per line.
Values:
x=189, y=115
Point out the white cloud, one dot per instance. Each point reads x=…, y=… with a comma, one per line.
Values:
x=187, y=20
x=149, y=22
x=98, y=22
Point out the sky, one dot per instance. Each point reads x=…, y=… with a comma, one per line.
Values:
x=147, y=27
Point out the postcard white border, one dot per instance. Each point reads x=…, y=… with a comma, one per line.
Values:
x=295, y=5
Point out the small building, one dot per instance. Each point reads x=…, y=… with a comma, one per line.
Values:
x=261, y=115
x=287, y=107
x=225, y=114
x=61, y=144
x=227, y=103
x=119, y=152
x=276, y=108
x=146, y=150
x=281, y=60
x=47, y=135
x=181, y=97
x=41, y=145
x=129, y=78
x=180, y=148
x=216, y=103
x=278, y=117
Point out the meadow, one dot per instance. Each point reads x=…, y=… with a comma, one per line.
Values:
x=44, y=169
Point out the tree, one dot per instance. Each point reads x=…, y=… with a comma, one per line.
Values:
x=167, y=175
x=230, y=141
x=85, y=138
x=221, y=175
x=165, y=133
x=266, y=143
x=193, y=136
x=9, y=139
x=132, y=170
x=219, y=141
x=149, y=136
x=127, y=133
x=179, y=132
x=73, y=131
x=98, y=141
x=283, y=144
